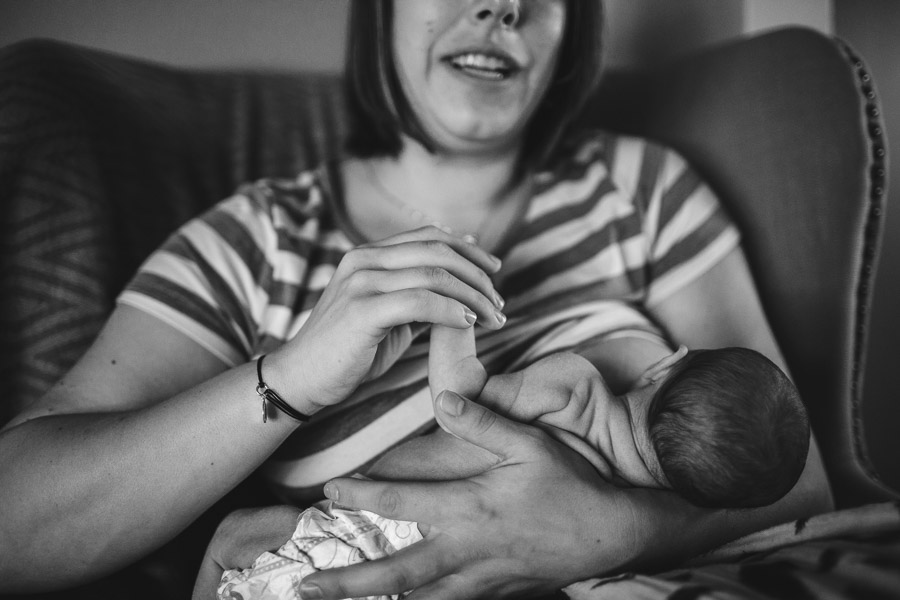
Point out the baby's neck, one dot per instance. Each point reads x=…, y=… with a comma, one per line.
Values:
x=618, y=438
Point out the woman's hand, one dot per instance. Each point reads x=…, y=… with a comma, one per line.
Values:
x=539, y=520
x=561, y=390
x=240, y=538
x=361, y=323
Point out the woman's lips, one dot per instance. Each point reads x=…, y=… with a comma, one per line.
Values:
x=487, y=66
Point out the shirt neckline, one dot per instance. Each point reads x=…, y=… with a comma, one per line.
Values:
x=332, y=184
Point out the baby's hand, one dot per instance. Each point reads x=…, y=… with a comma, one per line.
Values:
x=564, y=393
x=452, y=363
x=558, y=390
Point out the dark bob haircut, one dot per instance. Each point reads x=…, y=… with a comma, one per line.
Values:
x=380, y=112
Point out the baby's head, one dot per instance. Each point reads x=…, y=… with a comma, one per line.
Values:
x=728, y=428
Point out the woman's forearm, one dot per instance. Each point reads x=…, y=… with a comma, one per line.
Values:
x=84, y=494
x=664, y=516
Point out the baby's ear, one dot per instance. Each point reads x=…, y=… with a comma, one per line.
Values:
x=658, y=370
x=453, y=364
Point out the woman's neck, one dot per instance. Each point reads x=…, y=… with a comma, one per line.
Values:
x=451, y=184
x=466, y=194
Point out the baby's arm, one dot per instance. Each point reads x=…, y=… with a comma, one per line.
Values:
x=622, y=360
x=554, y=391
x=452, y=365
x=561, y=391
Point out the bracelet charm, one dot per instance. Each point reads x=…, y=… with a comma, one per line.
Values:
x=268, y=395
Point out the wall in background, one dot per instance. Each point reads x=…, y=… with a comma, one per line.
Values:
x=309, y=34
x=277, y=34
x=763, y=14
x=289, y=34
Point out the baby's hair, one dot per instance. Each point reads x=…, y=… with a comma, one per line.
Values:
x=729, y=429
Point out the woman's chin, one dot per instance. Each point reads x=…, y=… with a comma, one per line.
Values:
x=479, y=141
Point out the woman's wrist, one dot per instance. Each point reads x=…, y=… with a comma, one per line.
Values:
x=281, y=390
x=272, y=399
x=656, y=515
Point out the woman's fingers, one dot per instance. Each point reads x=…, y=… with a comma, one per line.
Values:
x=399, y=572
x=424, y=253
x=404, y=501
x=437, y=280
x=423, y=306
x=464, y=246
x=486, y=429
x=451, y=587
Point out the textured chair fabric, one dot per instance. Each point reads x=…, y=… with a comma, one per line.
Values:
x=785, y=126
x=101, y=156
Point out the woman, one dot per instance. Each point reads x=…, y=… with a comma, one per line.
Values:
x=461, y=106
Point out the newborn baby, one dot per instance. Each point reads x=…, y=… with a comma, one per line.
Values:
x=724, y=428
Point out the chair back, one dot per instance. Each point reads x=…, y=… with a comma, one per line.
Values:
x=785, y=127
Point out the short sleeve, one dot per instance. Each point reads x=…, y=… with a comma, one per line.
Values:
x=686, y=229
x=210, y=278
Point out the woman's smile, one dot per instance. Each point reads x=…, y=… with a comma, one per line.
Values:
x=472, y=81
x=489, y=67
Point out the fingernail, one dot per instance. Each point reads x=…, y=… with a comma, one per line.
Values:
x=470, y=316
x=451, y=404
x=500, y=317
x=331, y=491
x=310, y=591
x=471, y=239
x=497, y=262
x=499, y=302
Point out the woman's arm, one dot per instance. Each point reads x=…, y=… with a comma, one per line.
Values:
x=123, y=453
x=722, y=308
x=149, y=429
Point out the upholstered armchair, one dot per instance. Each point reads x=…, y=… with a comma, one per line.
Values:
x=101, y=156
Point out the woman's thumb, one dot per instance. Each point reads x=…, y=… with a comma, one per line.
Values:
x=478, y=425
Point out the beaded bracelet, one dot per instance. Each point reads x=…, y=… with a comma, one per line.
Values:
x=269, y=395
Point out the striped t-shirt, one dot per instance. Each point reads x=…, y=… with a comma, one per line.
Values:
x=620, y=225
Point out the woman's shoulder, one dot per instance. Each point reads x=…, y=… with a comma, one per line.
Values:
x=627, y=161
x=609, y=147
x=273, y=212
x=301, y=197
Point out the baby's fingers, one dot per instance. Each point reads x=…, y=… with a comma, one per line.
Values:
x=452, y=364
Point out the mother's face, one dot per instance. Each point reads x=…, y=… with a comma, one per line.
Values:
x=471, y=75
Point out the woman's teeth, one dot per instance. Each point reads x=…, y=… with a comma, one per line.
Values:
x=482, y=65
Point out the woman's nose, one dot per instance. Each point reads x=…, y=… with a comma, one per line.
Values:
x=505, y=12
